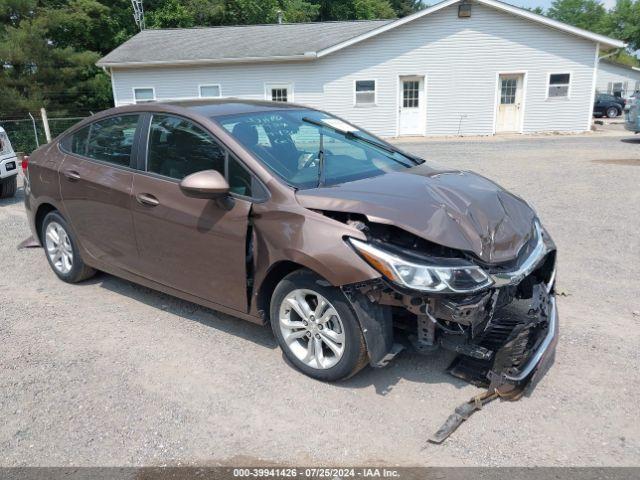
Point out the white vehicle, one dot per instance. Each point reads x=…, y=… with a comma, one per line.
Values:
x=8, y=167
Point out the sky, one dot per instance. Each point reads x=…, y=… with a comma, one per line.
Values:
x=547, y=3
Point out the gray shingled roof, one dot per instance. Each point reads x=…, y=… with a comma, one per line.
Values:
x=235, y=43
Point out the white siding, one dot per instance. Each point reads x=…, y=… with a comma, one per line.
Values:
x=460, y=59
x=608, y=74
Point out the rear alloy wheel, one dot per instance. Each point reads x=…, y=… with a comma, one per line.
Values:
x=62, y=251
x=316, y=327
x=612, y=112
x=58, y=245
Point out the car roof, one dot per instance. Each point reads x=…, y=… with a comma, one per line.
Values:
x=230, y=106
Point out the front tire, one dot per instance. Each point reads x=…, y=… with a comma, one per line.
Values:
x=8, y=187
x=316, y=328
x=612, y=112
x=62, y=251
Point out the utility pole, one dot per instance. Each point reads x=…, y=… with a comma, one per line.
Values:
x=138, y=13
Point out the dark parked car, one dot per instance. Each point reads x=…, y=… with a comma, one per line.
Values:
x=608, y=105
x=347, y=246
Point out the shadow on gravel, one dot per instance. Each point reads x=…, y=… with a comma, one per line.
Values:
x=634, y=140
x=406, y=366
x=17, y=198
x=226, y=323
x=410, y=367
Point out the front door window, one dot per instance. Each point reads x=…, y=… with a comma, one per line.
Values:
x=508, y=91
x=411, y=94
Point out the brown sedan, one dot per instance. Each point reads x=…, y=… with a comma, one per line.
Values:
x=350, y=248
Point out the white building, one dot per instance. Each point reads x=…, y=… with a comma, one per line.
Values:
x=617, y=79
x=474, y=67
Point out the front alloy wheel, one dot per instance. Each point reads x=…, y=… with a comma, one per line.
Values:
x=312, y=328
x=316, y=327
x=612, y=112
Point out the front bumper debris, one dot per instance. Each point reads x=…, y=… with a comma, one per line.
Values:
x=505, y=335
x=522, y=360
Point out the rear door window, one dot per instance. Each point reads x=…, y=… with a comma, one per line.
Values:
x=111, y=140
x=79, y=141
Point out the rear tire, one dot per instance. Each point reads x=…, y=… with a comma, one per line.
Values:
x=612, y=112
x=8, y=187
x=61, y=249
x=320, y=335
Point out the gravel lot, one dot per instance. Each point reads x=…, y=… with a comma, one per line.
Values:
x=110, y=373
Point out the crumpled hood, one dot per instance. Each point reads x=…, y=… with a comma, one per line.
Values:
x=457, y=209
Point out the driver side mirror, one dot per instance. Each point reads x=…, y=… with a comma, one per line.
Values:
x=205, y=184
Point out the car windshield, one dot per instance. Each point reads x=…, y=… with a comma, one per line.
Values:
x=308, y=148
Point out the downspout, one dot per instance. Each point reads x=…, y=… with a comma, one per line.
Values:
x=615, y=52
x=107, y=70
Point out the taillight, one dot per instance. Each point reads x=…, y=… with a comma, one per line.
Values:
x=25, y=164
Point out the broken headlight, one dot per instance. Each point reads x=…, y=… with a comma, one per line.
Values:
x=458, y=276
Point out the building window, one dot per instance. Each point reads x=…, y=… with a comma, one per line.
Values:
x=559, y=85
x=210, y=91
x=365, y=92
x=279, y=95
x=278, y=92
x=618, y=89
x=144, y=95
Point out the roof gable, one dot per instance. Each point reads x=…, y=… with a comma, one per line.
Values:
x=519, y=12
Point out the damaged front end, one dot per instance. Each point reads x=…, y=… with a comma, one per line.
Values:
x=500, y=318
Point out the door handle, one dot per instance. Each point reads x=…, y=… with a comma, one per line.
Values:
x=147, y=199
x=72, y=175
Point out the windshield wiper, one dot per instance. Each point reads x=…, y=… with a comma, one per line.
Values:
x=320, y=151
x=355, y=136
x=321, y=161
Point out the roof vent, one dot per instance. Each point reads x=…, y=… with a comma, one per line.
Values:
x=464, y=10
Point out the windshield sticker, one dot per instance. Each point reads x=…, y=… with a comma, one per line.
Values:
x=339, y=125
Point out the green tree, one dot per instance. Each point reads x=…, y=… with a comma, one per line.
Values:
x=299, y=11
x=171, y=14
x=586, y=14
x=47, y=49
x=372, y=9
x=623, y=22
x=406, y=7
x=354, y=9
x=538, y=10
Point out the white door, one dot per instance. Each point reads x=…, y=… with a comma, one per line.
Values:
x=509, y=116
x=412, y=106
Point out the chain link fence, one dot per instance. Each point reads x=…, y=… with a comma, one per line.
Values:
x=26, y=134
